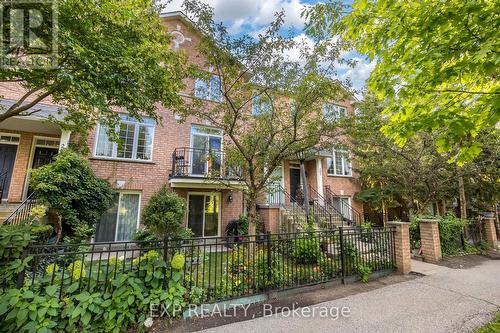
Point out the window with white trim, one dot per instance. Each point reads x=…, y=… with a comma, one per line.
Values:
x=211, y=89
x=339, y=164
x=334, y=111
x=135, y=140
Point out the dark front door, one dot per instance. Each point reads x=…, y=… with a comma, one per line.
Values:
x=7, y=158
x=294, y=183
x=43, y=156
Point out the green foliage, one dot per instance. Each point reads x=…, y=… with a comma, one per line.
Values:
x=428, y=53
x=366, y=232
x=178, y=261
x=164, y=214
x=414, y=234
x=196, y=295
x=364, y=273
x=69, y=186
x=351, y=256
x=243, y=225
x=41, y=233
x=110, y=54
x=450, y=233
x=491, y=327
x=306, y=250
x=13, y=240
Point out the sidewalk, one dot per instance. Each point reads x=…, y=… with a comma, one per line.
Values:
x=445, y=300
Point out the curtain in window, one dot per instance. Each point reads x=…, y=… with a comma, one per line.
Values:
x=106, y=227
x=127, y=216
x=104, y=147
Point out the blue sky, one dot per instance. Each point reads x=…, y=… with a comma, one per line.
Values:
x=251, y=16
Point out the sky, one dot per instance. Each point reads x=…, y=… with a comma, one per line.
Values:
x=252, y=16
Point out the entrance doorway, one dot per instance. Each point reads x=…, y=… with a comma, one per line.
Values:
x=43, y=153
x=294, y=183
x=7, y=159
x=204, y=214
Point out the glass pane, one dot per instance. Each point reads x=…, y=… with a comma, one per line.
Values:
x=106, y=227
x=347, y=165
x=127, y=216
x=126, y=143
x=206, y=130
x=211, y=215
x=104, y=147
x=195, y=214
x=215, y=89
x=329, y=166
x=144, y=143
x=200, y=89
x=338, y=162
x=215, y=161
x=199, y=155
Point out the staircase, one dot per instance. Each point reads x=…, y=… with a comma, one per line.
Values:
x=350, y=215
x=6, y=210
x=326, y=214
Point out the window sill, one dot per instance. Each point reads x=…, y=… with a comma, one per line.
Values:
x=111, y=159
x=340, y=176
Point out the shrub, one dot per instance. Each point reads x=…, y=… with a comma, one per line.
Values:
x=70, y=188
x=414, y=234
x=164, y=214
x=366, y=232
x=364, y=273
x=450, y=234
x=13, y=240
x=351, y=257
x=306, y=250
x=41, y=233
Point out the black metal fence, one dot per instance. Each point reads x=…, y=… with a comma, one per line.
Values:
x=221, y=267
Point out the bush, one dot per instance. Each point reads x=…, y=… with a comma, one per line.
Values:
x=414, y=234
x=364, y=273
x=450, y=234
x=69, y=187
x=164, y=214
x=306, y=250
x=41, y=233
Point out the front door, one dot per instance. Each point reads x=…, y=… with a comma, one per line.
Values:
x=7, y=158
x=204, y=214
x=294, y=183
x=43, y=156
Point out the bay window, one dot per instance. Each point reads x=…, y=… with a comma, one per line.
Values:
x=135, y=140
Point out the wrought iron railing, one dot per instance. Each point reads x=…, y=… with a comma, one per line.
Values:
x=332, y=201
x=22, y=213
x=206, y=163
x=322, y=210
x=222, y=270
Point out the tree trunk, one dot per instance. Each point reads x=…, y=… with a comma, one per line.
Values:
x=385, y=216
x=55, y=220
x=461, y=191
x=252, y=213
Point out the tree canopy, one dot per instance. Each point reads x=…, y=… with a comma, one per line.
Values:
x=436, y=64
x=111, y=54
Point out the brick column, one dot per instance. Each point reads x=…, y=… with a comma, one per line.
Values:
x=490, y=231
x=429, y=238
x=402, y=246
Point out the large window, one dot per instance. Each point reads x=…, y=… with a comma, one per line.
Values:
x=120, y=221
x=210, y=90
x=135, y=140
x=206, y=150
x=260, y=105
x=204, y=214
x=339, y=164
x=334, y=111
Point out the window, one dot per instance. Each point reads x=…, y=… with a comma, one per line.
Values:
x=120, y=221
x=10, y=139
x=343, y=205
x=206, y=154
x=334, y=111
x=210, y=90
x=260, y=105
x=135, y=140
x=339, y=164
x=204, y=214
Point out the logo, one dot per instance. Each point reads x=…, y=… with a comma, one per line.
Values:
x=29, y=34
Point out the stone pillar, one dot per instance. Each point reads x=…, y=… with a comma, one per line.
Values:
x=402, y=246
x=429, y=238
x=490, y=231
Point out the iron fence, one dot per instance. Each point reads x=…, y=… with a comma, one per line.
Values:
x=221, y=268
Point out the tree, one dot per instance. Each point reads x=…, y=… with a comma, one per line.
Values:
x=110, y=54
x=436, y=65
x=75, y=196
x=271, y=108
x=164, y=214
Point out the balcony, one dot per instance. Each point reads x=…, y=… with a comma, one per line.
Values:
x=205, y=168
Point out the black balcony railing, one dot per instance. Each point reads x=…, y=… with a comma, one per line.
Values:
x=206, y=163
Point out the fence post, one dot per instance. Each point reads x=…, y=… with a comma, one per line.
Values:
x=165, y=257
x=401, y=249
x=342, y=256
x=490, y=231
x=429, y=237
x=269, y=266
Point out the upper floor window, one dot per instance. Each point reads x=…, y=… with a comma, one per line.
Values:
x=135, y=140
x=334, y=111
x=260, y=105
x=211, y=89
x=340, y=163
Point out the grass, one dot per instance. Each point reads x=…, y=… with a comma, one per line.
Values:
x=491, y=327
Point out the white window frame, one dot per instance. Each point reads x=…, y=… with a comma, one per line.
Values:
x=334, y=113
x=219, y=226
x=344, y=163
x=207, y=95
x=114, y=152
x=120, y=194
x=11, y=135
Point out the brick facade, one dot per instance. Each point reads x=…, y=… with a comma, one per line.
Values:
x=429, y=238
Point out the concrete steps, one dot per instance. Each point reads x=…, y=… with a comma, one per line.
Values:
x=6, y=209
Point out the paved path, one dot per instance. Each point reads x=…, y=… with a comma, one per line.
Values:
x=446, y=300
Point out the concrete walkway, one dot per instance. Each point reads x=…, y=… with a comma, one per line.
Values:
x=446, y=300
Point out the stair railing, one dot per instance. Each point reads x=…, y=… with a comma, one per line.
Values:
x=22, y=213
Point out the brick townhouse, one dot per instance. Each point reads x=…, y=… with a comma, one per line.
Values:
x=175, y=154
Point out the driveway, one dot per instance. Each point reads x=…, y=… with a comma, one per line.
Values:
x=445, y=300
